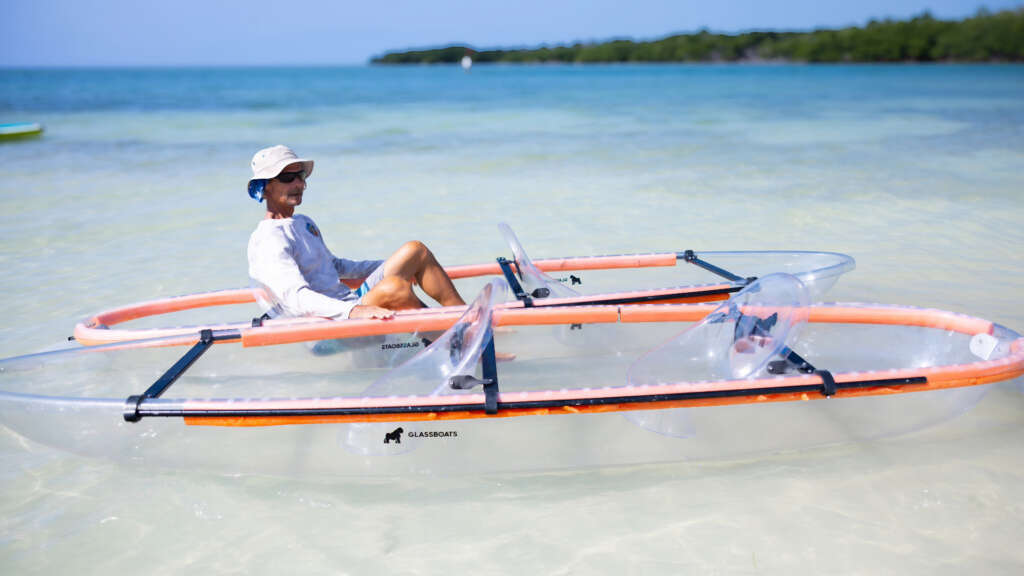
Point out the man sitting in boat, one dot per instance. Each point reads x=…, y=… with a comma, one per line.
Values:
x=287, y=255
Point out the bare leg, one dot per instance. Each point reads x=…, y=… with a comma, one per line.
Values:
x=393, y=293
x=415, y=263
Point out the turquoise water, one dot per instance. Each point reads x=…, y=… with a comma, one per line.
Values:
x=137, y=190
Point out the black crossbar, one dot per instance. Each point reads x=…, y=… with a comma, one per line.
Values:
x=691, y=257
x=206, y=339
x=513, y=282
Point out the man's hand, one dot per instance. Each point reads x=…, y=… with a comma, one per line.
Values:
x=371, y=312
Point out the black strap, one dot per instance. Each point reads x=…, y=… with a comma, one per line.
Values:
x=791, y=358
x=828, y=383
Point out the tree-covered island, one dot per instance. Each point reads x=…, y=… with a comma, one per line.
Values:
x=985, y=37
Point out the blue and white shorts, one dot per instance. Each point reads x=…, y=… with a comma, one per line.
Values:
x=372, y=280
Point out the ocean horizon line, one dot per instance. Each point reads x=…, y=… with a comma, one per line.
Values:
x=370, y=65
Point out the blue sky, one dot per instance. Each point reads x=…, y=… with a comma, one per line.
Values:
x=262, y=32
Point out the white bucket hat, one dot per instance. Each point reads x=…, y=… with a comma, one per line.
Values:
x=269, y=162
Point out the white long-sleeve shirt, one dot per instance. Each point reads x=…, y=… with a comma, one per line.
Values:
x=289, y=258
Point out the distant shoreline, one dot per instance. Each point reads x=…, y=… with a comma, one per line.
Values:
x=750, y=63
x=984, y=38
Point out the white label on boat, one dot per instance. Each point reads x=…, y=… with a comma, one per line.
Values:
x=982, y=345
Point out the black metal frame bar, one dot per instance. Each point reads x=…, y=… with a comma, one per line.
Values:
x=207, y=337
x=691, y=257
x=513, y=282
x=553, y=404
x=646, y=299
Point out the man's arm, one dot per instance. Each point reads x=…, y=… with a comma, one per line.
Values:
x=355, y=269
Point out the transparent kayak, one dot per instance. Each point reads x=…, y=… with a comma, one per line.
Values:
x=492, y=388
x=657, y=277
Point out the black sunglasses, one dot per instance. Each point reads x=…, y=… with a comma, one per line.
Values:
x=289, y=177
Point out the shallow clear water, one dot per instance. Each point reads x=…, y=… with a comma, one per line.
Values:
x=137, y=191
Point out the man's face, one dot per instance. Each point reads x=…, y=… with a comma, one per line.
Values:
x=278, y=193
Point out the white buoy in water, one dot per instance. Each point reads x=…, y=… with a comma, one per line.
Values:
x=467, y=62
